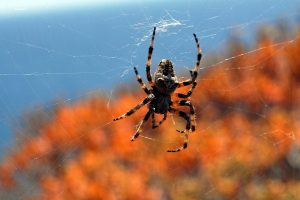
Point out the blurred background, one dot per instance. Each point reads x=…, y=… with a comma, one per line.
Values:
x=66, y=70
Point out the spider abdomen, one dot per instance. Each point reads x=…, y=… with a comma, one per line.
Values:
x=166, y=84
x=161, y=103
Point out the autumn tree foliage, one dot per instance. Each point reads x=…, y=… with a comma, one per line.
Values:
x=246, y=145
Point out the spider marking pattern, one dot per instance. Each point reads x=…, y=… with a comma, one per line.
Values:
x=162, y=87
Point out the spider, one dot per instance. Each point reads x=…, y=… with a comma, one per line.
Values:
x=159, y=95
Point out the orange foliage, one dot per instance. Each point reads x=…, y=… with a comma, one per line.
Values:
x=247, y=129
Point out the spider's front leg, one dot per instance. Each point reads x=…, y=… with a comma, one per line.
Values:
x=148, y=64
x=140, y=80
x=133, y=110
x=199, y=56
x=194, y=73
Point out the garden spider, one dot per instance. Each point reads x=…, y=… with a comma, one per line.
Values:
x=159, y=95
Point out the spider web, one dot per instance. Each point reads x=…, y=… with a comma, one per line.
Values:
x=63, y=56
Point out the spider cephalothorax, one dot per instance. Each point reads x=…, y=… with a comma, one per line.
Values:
x=164, y=78
x=159, y=94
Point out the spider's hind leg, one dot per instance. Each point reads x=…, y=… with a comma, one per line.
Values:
x=154, y=124
x=192, y=114
x=139, y=130
x=188, y=127
x=184, y=146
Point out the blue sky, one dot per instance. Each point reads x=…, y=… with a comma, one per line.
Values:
x=17, y=7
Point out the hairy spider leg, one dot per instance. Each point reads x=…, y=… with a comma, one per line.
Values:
x=194, y=73
x=133, y=110
x=199, y=56
x=184, y=83
x=184, y=146
x=188, y=126
x=188, y=82
x=189, y=93
x=192, y=114
x=140, y=128
x=154, y=124
x=148, y=65
x=140, y=80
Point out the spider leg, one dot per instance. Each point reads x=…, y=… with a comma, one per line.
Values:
x=194, y=73
x=149, y=77
x=184, y=146
x=186, y=82
x=139, y=130
x=188, y=125
x=154, y=125
x=199, y=56
x=133, y=110
x=139, y=79
x=192, y=114
x=189, y=93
